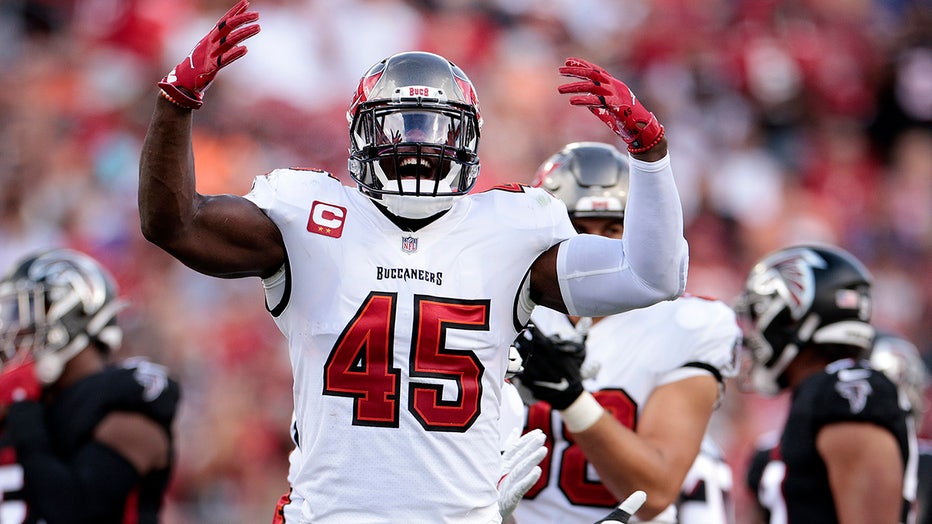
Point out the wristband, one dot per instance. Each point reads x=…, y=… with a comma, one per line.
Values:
x=168, y=97
x=648, y=147
x=583, y=413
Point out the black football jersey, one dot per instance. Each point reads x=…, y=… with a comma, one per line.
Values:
x=790, y=482
x=755, y=479
x=924, y=493
x=136, y=386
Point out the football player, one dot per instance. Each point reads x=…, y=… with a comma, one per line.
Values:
x=624, y=399
x=846, y=452
x=706, y=495
x=81, y=439
x=900, y=360
x=399, y=297
x=521, y=454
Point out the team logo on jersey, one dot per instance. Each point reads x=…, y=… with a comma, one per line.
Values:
x=151, y=376
x=854, y=391
x=409, y=244
x=326, y=219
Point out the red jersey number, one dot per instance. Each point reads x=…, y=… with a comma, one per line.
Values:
x=360, y=364
x=572, y=464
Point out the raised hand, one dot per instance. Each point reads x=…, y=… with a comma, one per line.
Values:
x=520, y=469
x=552, y=367
x=613, y=103
x=186, y=82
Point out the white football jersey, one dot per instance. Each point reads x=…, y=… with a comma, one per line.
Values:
x=399, y=344
x=633, y=353
x=706, y=494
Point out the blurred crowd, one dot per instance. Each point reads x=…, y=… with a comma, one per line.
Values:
x=789, y=120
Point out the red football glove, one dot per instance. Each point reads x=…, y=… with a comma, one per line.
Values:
x=186, y=83
x=18, y=382
x=614, y=103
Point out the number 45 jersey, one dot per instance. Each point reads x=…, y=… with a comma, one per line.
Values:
x=399, y=343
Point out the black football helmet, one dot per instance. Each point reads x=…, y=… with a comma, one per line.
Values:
x=54, y=305
x=900, y=360
x=802, y=296
x=591, y=178
x=414, y=133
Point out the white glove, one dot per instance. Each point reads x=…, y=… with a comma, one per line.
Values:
x=519, y=468
x=624, y=510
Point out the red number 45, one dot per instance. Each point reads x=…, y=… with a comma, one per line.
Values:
x=361, y=363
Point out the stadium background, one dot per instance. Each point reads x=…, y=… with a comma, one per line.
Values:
x=788, y=121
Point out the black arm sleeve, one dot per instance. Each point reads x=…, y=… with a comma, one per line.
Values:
x=90, y=488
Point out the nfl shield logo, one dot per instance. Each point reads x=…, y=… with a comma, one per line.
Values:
x=409, y=244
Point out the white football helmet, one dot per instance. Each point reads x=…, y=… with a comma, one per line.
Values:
x=414, y=134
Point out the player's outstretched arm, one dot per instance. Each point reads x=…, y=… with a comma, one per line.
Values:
x=597, y=276
x=223, y=235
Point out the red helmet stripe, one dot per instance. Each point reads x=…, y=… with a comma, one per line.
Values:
x=362, y=91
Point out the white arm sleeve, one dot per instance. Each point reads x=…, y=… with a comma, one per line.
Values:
x=601, y=276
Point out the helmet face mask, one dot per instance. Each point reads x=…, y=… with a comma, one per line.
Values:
x=414, y=134
x=798, y=297
x=52, y=306
x=20, y=319
x=591, y=178
x=432, y=146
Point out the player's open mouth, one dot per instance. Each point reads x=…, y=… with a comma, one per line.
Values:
x=413, y=160
x=415, y=167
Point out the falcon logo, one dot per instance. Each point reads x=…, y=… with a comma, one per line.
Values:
x=151, y=376
x=855, y=392
x=326, y=219
x=790, y=277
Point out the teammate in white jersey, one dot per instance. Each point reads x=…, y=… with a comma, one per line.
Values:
x=399, y=298
x=657, y=372
x=706, y=495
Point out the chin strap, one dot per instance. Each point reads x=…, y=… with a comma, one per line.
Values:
x=416, y=207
